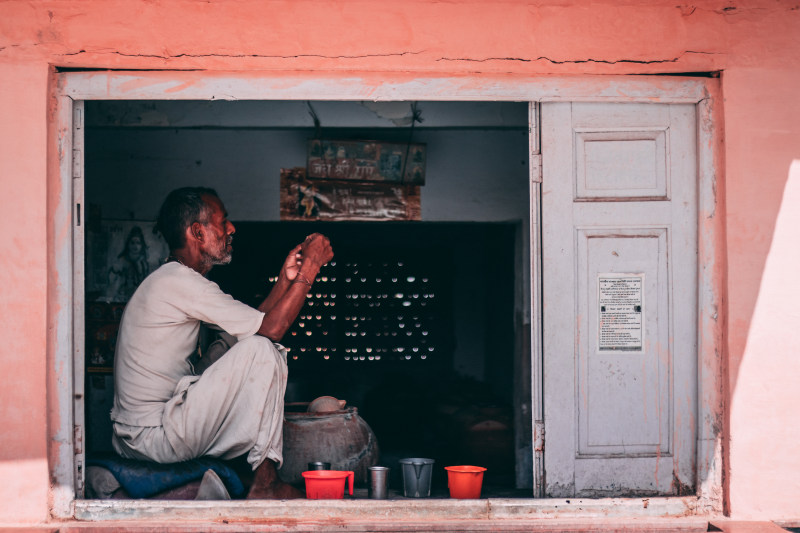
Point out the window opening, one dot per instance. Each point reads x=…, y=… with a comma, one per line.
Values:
x=413, y=322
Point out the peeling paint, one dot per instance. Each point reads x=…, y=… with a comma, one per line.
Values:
x=680, y=488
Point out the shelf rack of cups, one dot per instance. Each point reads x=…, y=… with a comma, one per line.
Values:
x=373, y=310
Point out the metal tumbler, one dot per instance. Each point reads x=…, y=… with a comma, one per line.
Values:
x=378, y=482
x=319, y=465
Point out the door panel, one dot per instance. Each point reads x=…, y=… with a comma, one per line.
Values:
x=624, y=387
x=619, y=289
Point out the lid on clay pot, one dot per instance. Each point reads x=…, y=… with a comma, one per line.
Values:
x=326, y=404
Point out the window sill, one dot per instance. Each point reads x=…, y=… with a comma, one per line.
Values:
x=673, y=513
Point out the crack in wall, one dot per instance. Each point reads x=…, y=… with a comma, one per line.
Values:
x=15, y=46
x=392, y=54
x=574, y=61
x=244, y=56
x=485, y=59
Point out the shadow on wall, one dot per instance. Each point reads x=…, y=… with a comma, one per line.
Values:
x=757, y=160
x=763, y=452
x=749, y=281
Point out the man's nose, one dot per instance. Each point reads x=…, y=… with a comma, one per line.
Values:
x=231, y=228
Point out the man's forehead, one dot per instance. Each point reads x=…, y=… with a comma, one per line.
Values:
x=215, y=204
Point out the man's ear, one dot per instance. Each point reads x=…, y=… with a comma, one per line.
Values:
x=196, y=231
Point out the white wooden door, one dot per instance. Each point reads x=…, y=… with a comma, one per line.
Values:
x=619, y=253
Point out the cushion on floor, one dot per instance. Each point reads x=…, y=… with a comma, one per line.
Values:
x=142, y=479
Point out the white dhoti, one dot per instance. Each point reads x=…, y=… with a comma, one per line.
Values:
x=234, y=407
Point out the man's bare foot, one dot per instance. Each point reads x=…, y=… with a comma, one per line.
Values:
x=275, y=491
x=187, y=491
x=268, y=486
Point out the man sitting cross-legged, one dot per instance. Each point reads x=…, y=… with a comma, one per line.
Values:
x=164, y=410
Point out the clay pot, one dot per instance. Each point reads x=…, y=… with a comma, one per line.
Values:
x=341, y=438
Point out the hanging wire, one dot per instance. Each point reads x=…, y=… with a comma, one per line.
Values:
x=315, y=118
x=416, y=116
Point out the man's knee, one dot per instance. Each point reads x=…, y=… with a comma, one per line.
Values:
x=258, y=350
x=257, y=345
x=255, y=342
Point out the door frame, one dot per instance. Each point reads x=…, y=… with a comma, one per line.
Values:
x=70, y=89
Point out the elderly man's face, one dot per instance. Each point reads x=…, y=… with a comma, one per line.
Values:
x=219, y=230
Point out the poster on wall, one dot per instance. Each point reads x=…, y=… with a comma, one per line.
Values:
x=119, y=255
x=621, y=302
x=402, y=163
x=315, y=199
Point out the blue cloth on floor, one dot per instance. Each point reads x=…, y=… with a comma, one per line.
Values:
x=142, y=479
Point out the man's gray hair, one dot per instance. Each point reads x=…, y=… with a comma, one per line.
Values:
x=182, y=208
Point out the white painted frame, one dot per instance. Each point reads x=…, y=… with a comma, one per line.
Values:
x=71, y=89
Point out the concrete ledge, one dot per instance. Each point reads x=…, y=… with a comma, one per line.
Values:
x=580, y=508
x=637, y=525
x=288, y=510
x=27, y=529
x=391, y=511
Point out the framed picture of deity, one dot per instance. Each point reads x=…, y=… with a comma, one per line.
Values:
x=119, y=255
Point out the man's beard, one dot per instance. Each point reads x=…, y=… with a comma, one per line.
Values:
x=223, y=259
x=221, y=256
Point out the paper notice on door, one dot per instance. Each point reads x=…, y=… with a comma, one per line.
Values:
x=621, y=302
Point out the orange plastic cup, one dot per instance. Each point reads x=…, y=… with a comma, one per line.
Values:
x=465, y=481
x=327, y=484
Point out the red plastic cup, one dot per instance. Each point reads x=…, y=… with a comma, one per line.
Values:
x=327, y=484
x=465, y=481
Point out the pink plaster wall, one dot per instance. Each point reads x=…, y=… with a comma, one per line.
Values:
x=756, y=43
x=763, y=239
x=23, y=297
x=764, y=443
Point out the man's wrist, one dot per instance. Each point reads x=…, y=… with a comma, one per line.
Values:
x=301, y=278
x=283, y=278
